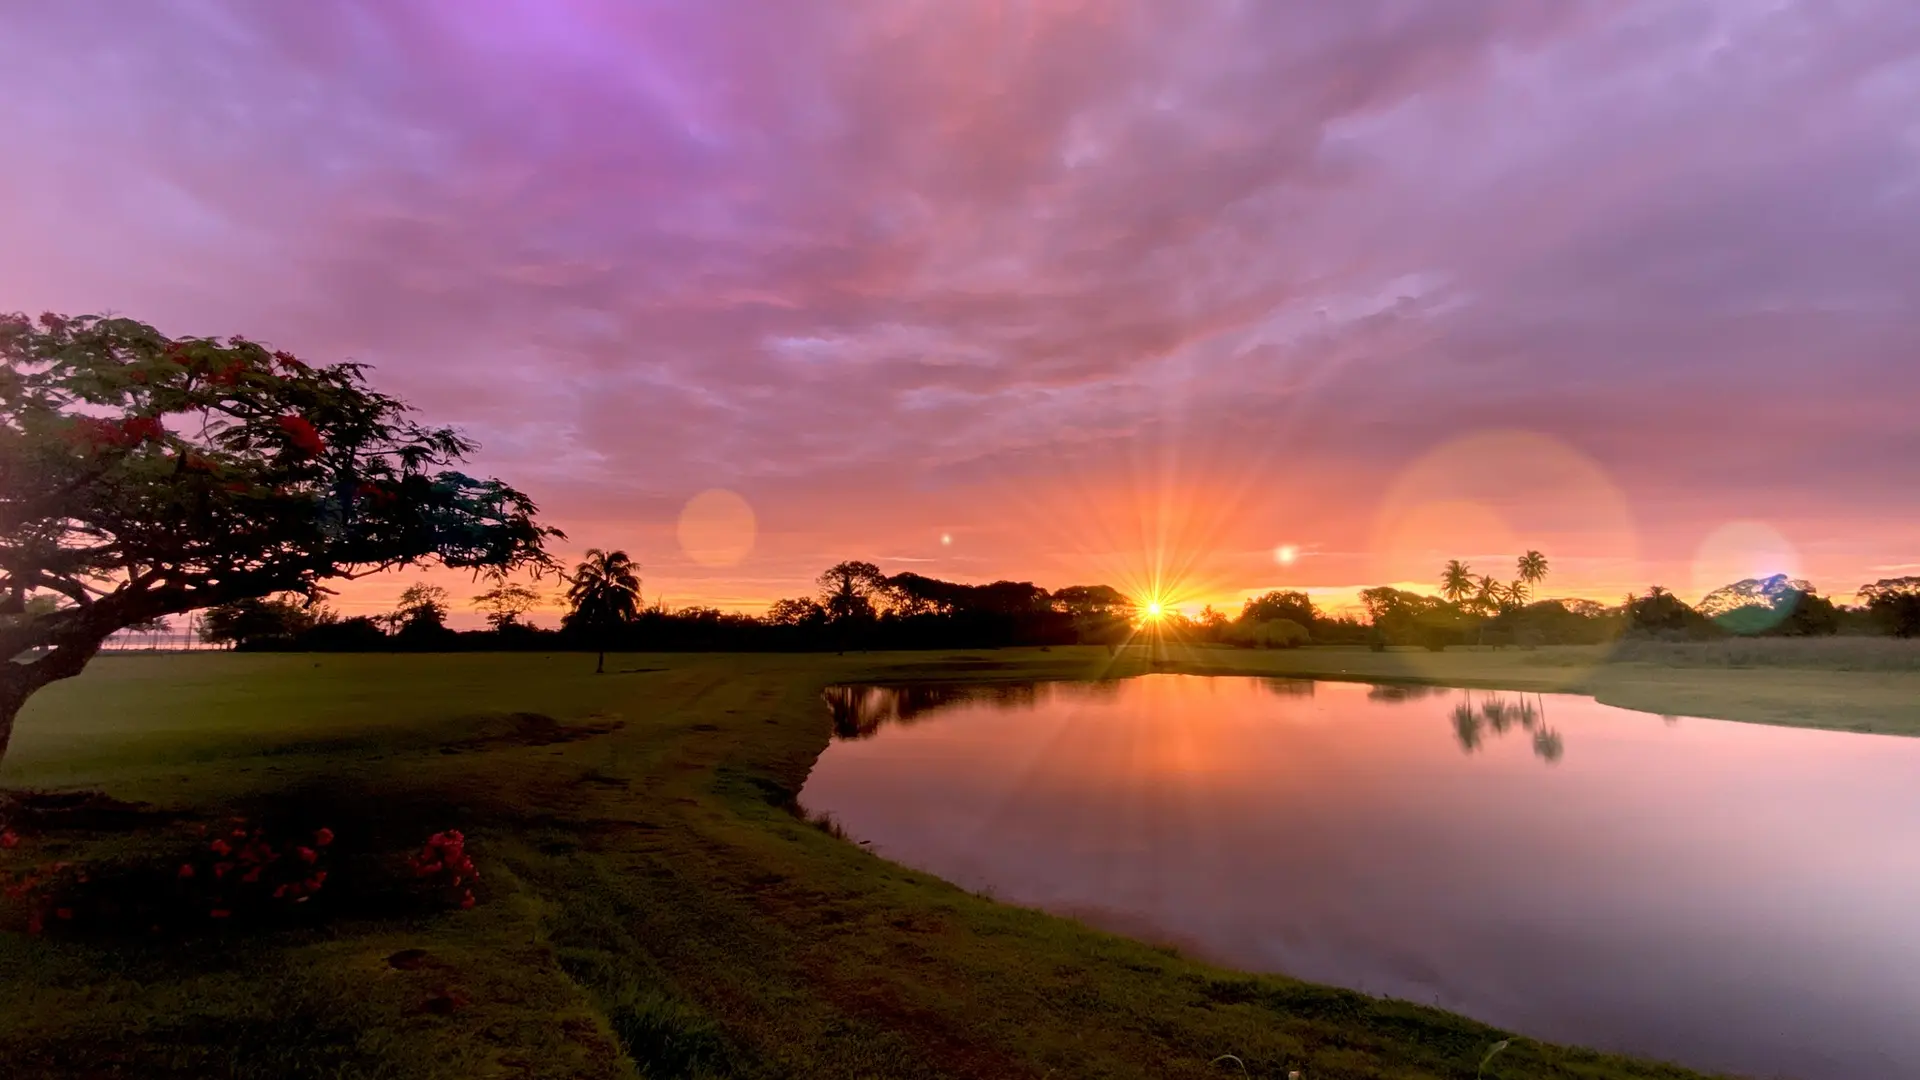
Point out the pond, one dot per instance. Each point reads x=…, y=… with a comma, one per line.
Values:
x=1727, y=896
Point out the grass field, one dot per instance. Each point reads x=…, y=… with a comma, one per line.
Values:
x=652, y=907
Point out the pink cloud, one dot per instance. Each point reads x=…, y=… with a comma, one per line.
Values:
x=892, y=269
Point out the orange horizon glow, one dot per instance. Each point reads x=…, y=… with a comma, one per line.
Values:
x=1190, y=526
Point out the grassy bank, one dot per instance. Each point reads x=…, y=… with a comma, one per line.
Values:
x=1841, y=684
x=650, y=905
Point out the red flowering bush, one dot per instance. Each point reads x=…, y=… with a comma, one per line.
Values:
x=444, y=866
x=242, y=873
x=36, y=889
x=40, y=891
x=243, y=869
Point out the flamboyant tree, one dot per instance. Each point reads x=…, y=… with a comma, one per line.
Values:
x=143, y=475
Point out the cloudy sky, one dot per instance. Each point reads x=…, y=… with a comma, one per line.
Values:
x=1142, y=292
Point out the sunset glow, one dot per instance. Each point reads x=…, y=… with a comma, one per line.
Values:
x=1243, y=298
x=1356, y=496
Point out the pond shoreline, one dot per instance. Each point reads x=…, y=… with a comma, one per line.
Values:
x=1170, y=807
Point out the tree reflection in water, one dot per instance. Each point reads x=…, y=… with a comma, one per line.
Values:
x=1499, y=715
x=860, y=711
x=1402, y=692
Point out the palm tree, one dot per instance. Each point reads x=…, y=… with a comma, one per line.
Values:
x=1487, y=598
x=1456, y=581
x=605, y=593
x=1533, y=568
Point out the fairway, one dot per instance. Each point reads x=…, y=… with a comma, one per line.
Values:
x=652, y=906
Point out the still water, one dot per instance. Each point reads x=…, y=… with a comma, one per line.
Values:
x=1728, y=896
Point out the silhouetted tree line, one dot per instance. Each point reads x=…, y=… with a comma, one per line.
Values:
x=857, y=606
x=1480, y=610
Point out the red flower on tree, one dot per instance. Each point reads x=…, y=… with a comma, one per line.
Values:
x=374, y=494
x=139, y=429
x=302, y=435
x=103, y=433
x=264, y=523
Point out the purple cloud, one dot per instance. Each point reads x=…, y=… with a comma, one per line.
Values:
x=893, y=269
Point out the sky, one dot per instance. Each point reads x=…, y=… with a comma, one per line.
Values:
x=1197, y=297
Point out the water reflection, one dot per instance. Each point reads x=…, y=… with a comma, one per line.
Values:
x=1400, y=692
x=1290, y=688
x=859, y=712
x=1735, y=897
x=1498, y=715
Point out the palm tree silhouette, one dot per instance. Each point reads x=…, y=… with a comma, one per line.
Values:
x=605, y=593
x=1456, y=581
x=1489, y=596
x=1533, y=568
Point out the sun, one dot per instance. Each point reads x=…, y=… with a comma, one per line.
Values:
x=1154, y=610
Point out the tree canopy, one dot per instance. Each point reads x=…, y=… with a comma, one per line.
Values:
x=848, y=590
x=1295, y=607
x=1895, y=604
x=1777, y=604
x=1761, y=592
x=143, y=475
x=505, y=603
x=258, y=619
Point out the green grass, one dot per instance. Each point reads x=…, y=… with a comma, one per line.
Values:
x=1830, y=654
x=652, y=907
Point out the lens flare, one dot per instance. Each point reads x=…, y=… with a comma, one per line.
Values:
x=1488, y=497
x=717, y=528
x=1740, y=550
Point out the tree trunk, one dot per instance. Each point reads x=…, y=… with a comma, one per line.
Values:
x=13, y=694
x=19, y=681
x=600, y=666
